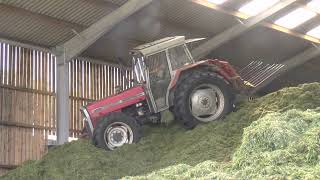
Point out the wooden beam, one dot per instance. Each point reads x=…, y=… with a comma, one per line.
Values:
x=24, y=125
x=9, y=167
x=229, y=34
x=240, y=15
x=26, y=90
x=210, y=5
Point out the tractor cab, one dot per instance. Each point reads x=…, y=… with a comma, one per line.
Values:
x=155, y=65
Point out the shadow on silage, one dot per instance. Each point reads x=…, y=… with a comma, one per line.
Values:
x=165, y=146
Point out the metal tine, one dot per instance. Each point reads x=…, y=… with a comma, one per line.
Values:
x=269, y=69
x=254, y=71
x=279, y=68
x=258, y=80
x=258, y=73
x=251, y=69
x=267, y=77
x=241, y=70
x=247, y=67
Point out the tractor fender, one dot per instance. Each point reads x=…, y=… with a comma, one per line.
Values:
x=114, y=103
x=220, y=67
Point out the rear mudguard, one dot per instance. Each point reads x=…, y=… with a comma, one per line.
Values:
x=223, y=68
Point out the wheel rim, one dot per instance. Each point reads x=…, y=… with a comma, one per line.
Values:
x=206, y=102
x=117, y=134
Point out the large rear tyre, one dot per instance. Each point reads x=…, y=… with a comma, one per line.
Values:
x=202, y=96
x=116, y=130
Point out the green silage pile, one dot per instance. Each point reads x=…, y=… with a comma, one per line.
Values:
x=283, y=140
x=277, y=146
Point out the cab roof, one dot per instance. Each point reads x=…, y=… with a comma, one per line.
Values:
x=158, y=46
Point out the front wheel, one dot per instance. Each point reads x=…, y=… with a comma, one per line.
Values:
x=203, y=96
x=116, y=130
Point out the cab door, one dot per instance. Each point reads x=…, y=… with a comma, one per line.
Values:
x=159, y=80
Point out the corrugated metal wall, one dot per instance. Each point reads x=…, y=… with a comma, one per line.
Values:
x=27, y=99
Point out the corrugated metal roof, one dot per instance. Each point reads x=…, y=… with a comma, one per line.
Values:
x=162, y=18
x=195, y=16
x=50, y=23
x=30, y=29
x=118, y=2
x=76, y=11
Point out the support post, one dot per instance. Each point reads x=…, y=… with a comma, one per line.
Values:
x=63, y=102
x=75, y=47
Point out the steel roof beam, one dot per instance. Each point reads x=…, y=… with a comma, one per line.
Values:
x=229, y=34
x=290, y=64
x=87, y=37
x=108, y=62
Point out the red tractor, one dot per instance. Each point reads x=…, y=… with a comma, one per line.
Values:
x=165, y=77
